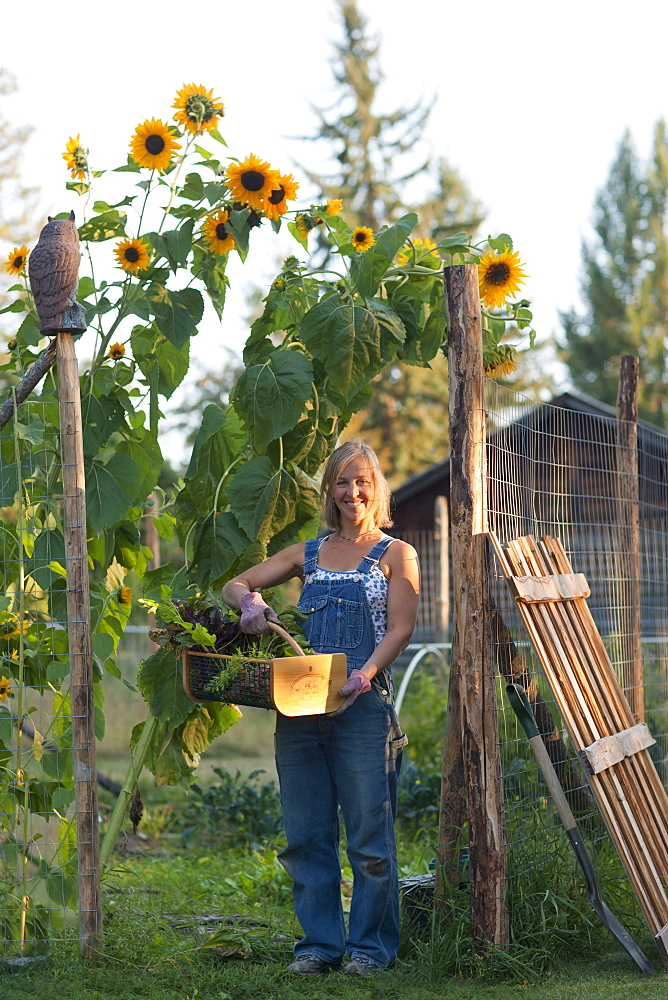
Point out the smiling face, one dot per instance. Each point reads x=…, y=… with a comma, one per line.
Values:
x=354, y=496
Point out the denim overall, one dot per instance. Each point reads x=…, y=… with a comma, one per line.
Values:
x=352, y=761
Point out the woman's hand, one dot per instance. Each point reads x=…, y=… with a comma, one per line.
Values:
x=357, y=684
x=255, y=614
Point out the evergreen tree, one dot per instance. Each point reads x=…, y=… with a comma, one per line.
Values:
x=381, y=159
x=625, y=283
x=17, y=202
x=381, y=170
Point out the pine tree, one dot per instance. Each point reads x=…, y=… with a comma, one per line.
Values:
x=381, y=158
x=625, y=283
x=17, y=202
x=381, y=170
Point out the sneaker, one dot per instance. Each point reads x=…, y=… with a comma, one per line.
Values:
x=311, y=965
x=360, y=965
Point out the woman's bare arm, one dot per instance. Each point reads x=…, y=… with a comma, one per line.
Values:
x=283, y=566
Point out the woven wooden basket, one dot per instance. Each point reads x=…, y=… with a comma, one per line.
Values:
x=293, y=685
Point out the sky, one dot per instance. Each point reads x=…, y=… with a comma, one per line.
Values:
x=530, y=103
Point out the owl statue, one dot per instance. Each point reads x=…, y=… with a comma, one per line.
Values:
x=54, y=277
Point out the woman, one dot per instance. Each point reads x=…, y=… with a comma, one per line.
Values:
x=360, y=593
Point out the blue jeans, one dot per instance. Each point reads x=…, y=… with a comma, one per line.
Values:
x=351, y=761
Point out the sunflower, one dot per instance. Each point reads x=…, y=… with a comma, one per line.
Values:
x=16, y=260
x=196, y=109
x=362, y=239
x=277, y=202
x=499, y=276
x=76, y=158
x=499, y=368
x=132, y=255
x=304, y=223
x=334, y=206
x=125, y=596
x=153, y=144
x=252, y=181
x=423, y=248
x=5, y=689
x=116, y=352
x=216, y=233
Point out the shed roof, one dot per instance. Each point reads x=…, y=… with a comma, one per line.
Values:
x=575, y=401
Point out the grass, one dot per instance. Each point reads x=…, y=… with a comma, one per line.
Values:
x=201, y=868
x=154, y=947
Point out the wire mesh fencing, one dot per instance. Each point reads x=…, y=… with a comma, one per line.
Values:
x=38, y=850
x=560, y=471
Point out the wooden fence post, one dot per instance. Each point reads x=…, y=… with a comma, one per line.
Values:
x=472, y=661
x=442, y=580
x=630, y=625
x=78, y=628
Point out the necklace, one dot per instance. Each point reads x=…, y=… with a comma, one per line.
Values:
x=346, y=539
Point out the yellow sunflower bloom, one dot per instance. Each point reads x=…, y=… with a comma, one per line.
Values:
x=305, y=223
x=153, y=145
x=132, y=255
x=76, y=158
x=116, y=352
x=334, y=206
x=251, y=181
x=125, y=596
x=422, y=248
x=499, y=369
x=216, y=234
x=16, y=261
x=277, y=202
x=362, y=239
x=5, y=689
x=196, y=109
x=499, y=276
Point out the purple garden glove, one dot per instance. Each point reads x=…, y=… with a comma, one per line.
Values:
x=357, y=683
x=255, y=614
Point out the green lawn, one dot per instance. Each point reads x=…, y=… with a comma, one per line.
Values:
x=153, y=947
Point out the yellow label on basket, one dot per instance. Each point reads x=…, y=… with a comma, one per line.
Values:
x=308, y=685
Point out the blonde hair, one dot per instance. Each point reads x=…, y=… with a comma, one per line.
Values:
x=338, y=460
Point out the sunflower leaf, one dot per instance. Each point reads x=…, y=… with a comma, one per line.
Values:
x=172, y=362
x=271, y=396
x=179, y=244
x=239, y=223
x=104, y=226
x=193, y=189
x=346, y=338
x=264, y=498
x=218, y=543
x=214, y=193
x=502, y=242
x=215, y=134
x=177, y=313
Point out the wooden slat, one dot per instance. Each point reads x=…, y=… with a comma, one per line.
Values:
x=610, y=750
x=560, y=587
x=597, y=715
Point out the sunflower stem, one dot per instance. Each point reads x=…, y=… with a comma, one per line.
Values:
x=137, y=761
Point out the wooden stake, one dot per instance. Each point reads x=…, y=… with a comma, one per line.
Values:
x=629, y=535
x=471, y=647
x=78, y=627
x=442, y=588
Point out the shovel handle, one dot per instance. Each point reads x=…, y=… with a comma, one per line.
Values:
x=286, y=638
x=522, y=708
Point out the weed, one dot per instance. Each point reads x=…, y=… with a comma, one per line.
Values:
x=232, y=812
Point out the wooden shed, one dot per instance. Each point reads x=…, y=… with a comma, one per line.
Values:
x=551, y=468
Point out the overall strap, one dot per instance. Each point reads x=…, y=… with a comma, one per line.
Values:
x=372, y=558
x=311, y=550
